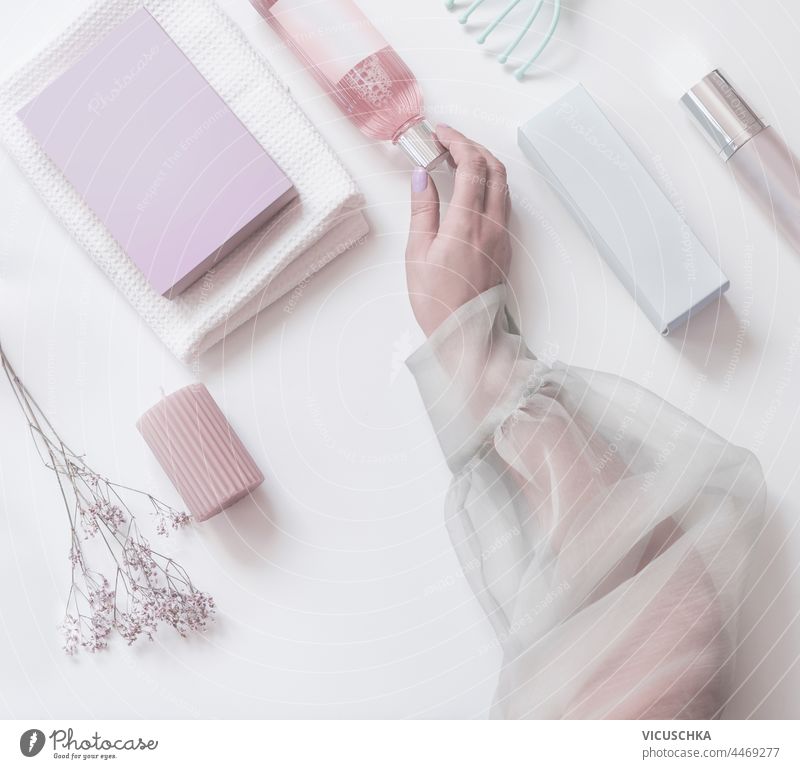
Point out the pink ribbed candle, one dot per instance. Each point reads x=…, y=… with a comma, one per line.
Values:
x=199, y=451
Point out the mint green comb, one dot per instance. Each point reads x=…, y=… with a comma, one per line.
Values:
x=519, y=73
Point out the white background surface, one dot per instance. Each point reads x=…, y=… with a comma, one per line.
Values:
x=339, y=594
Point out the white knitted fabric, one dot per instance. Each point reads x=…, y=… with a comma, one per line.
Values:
x=273, y=261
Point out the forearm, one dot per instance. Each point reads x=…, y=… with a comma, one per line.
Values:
x=600, y=517
x=472, y=373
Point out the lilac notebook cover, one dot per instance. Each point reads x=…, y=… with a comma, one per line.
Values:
x=155, y=152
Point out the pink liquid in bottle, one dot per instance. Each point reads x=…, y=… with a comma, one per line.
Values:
x=364, y=75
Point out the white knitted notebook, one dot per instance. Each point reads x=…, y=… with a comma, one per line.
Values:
x=272, y=262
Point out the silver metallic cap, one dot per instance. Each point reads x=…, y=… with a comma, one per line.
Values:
x=724, y=117
x=419, y=142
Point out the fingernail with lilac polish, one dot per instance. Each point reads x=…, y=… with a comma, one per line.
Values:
x=419, y=180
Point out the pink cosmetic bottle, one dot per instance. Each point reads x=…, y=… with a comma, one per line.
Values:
x=760, y=159
x=371, y=84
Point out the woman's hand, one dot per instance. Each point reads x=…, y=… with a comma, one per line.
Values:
x=452, y=261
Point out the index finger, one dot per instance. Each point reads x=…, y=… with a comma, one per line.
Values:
x=469, y=193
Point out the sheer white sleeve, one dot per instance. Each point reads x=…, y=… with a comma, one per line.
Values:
x=605, y=533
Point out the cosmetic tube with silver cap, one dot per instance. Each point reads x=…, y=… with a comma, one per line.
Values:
x=356, y=66
x=758, y=156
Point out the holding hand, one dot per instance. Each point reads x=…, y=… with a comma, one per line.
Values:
x=452, y=261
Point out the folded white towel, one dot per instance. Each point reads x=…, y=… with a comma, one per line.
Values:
x=272, y=262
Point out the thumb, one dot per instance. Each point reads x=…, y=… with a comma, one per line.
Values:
x=424, y=214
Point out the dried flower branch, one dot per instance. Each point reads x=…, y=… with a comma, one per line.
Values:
x=144, y=588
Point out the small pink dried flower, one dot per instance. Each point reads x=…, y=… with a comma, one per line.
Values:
x=147, y=589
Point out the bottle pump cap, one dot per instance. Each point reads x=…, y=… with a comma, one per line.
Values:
x=724, y=117
x=420, y=143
